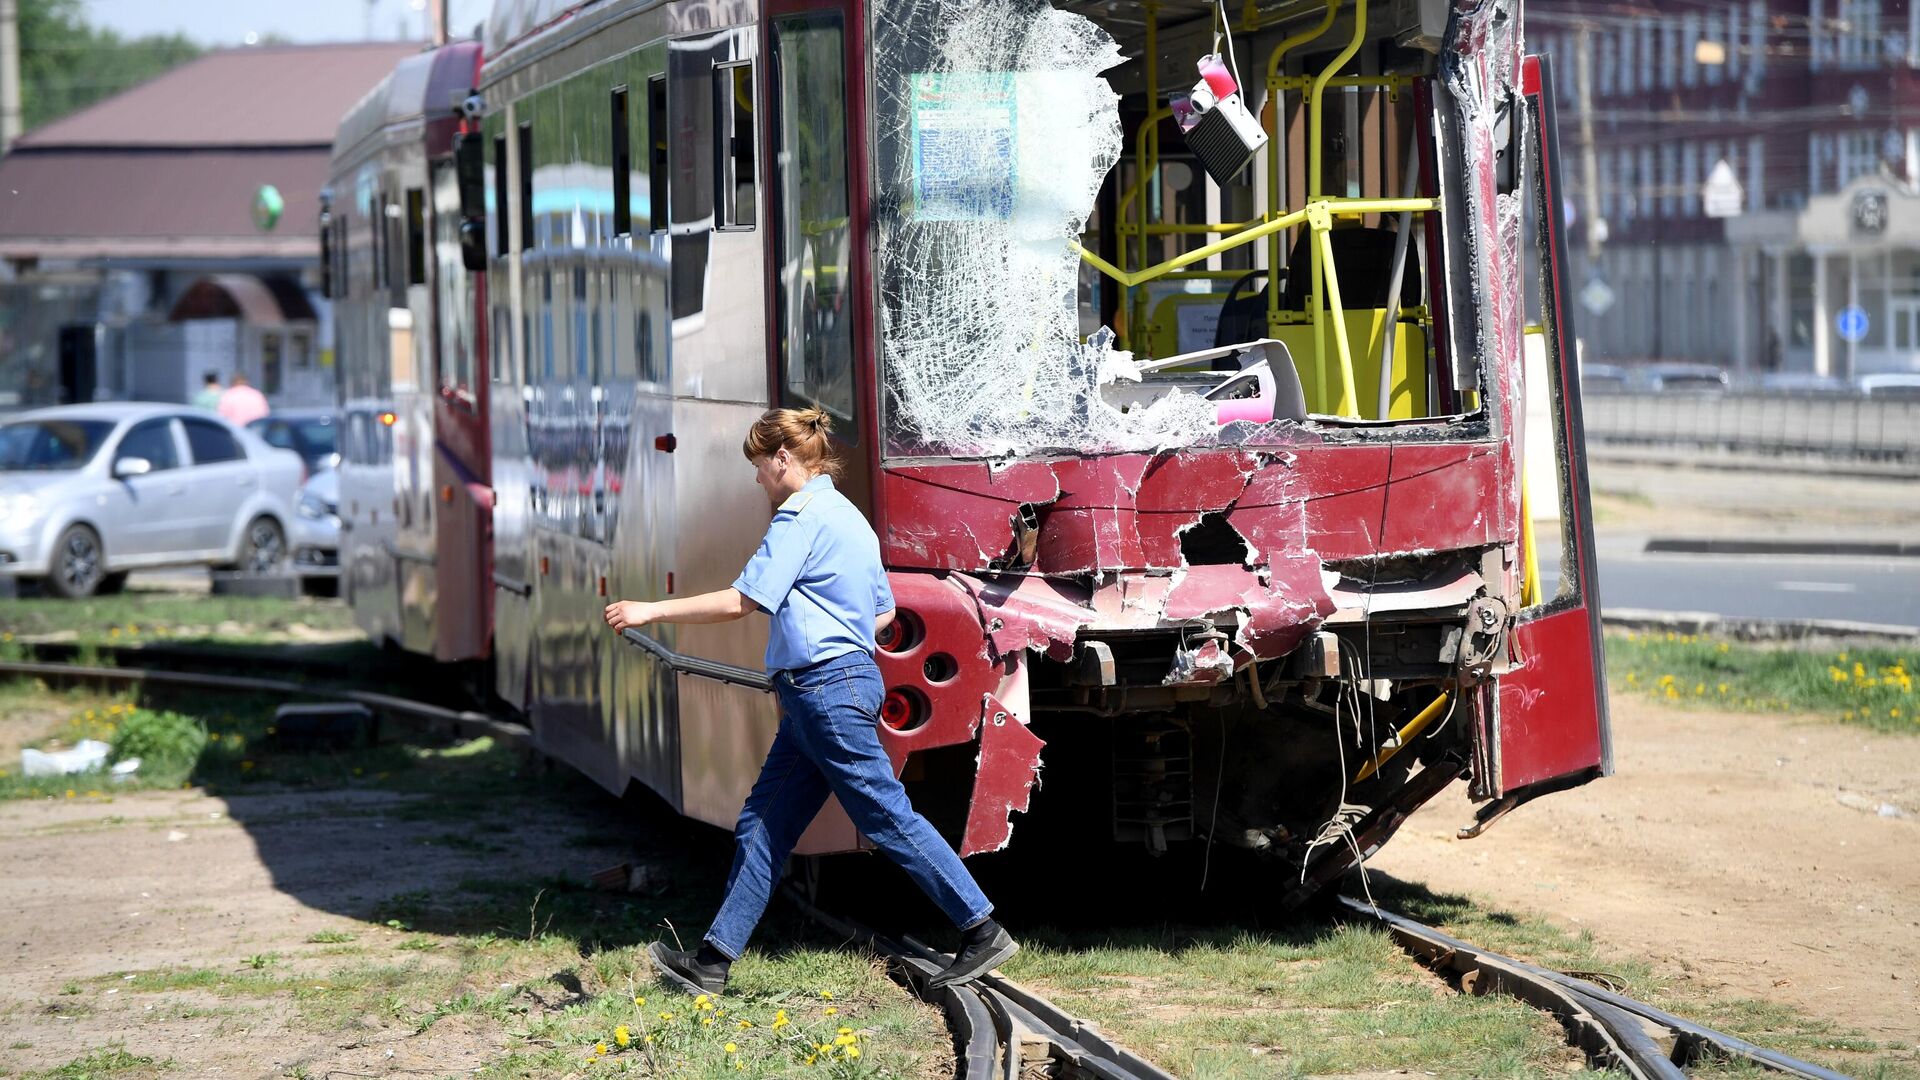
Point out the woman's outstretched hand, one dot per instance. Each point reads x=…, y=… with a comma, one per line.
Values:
x=630, y=614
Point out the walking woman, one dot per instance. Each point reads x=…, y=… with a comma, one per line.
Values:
x=818, y=576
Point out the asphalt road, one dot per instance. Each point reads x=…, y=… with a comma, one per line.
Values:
x=1779, y=587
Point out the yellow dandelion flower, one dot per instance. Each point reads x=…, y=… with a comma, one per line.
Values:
x=666, y=1016
x=732, y=1049
x=811, y=1058
x=844, y=1031
x=648, y=1039
x=780, y=1022
x=739, y=1066
x=701, y=1000
x=843, y=1040
x=1723, y=689
x=719, y=1012
x=89, y=714
x=831, y=1010
x=823, y=1047
x=1666, y=680
x=745, y=1024
x=599, y=1048
x=706, y=1021
x=1859, y=670
x=1724, y=647
x=1699, y=688
x=828, y=994
x=69, y=793
x=639, y=1001
x=1836, y=674
x=853, y=1051
x=623, y=1035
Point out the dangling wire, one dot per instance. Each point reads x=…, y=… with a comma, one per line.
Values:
x=1225, y=25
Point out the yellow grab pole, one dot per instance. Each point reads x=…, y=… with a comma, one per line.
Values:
x=1275, y=196
x=1349, y=403
x=1405, y=735
x=1323, y=270
x=1530, y=579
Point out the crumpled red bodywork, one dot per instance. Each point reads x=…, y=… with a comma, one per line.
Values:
x=1109, y=557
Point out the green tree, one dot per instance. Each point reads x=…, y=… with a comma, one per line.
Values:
x=66, y=63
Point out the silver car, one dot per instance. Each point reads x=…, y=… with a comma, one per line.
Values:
x=91, y=492
x=315, y=535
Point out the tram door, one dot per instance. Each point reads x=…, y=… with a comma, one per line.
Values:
x=817, y=314
x=1552, y=706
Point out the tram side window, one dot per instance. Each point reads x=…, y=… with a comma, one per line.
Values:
x=622, y=164
x=416, y=237
x=734, y=178
x=657, y=153
x=526, y=186
x=499, y=223
x=376, y=228
x=812, y=237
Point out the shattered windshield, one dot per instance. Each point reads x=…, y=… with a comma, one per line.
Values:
x=993, y=133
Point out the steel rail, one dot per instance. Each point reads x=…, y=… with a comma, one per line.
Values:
x=388, y=704
x=1614, y=1030
x=999, y=1027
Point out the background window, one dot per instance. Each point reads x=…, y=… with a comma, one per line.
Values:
x=734, y=145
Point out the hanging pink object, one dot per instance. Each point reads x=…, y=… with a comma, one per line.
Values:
x=1219, y=79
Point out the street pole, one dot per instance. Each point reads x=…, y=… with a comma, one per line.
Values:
x=9, y=73
x=439, y=22
x=1589, y=161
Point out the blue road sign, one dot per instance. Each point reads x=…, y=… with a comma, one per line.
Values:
x=1851, y=323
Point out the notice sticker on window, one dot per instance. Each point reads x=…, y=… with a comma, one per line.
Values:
x=963, y=146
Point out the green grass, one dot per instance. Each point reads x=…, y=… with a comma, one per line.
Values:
x=329, y=937
x=107, y=1063
x=1872, y=686
x=136, y=618
x=1314, y=1000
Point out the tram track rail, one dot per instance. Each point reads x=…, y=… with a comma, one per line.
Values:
x=1615, y=1031
x=1003, y=1030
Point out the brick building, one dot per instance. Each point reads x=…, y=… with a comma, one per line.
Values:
x=1814, y=106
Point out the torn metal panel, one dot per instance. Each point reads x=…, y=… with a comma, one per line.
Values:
x=1274, y=611
x=1021, y=612
x=1007, y=769
x=1203, y=665
x=948, y=625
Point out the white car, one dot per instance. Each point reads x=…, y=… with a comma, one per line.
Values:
x=91, y=492
x=315, y=535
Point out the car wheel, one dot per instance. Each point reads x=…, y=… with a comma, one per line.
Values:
x=264, y=548
x=79, y=564
x=112, y=584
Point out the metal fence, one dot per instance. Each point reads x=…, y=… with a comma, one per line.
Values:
x=1841, y=426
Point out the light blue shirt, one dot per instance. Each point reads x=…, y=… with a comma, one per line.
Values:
x=818, y=574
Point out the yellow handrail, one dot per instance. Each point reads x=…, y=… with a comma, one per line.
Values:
x=1275, y=194
x=1322, y=252
x=1325, y=210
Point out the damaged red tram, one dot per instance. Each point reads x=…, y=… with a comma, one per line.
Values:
x=1204, y=432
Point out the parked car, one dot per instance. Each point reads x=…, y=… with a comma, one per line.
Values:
x=1603, y=379
x=315, y=534
x=311, y=433
x=1679, y=376
x=1898, y=385
x=91, y=492
x=1803, y=383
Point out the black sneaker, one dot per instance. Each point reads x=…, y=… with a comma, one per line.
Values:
x=982, y=949
x=688, y=970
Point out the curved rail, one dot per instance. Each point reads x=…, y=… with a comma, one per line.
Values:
x=1000, y=1028
x=1614, y=1030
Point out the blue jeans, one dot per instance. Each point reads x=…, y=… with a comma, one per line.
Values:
x=829, y=742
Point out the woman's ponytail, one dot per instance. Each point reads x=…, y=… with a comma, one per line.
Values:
x=804, y=433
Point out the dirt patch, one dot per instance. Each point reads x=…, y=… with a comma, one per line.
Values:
x=148, y=930
x=1747, y=854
